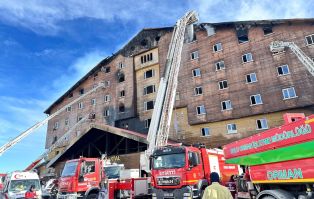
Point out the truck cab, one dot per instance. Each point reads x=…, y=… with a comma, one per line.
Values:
x=17, y=183
x=80, y=178
x=183, y=172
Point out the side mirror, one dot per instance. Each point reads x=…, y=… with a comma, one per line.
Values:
x=82, y=169
x=151, y=162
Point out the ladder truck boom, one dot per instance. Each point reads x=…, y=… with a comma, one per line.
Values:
x=278, y=46
x=24, y=134
x=159, y=129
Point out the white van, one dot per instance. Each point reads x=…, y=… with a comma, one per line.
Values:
x=17, y=183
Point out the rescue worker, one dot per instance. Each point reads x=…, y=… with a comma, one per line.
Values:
x=31, y=193
x=215, y=190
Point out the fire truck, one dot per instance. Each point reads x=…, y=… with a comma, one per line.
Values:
x=183, y=172
x=278, y=162
x=81, y=178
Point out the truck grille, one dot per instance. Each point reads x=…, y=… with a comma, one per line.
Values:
x=164, y=181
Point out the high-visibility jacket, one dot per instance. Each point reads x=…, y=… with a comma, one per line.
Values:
x=217, y=191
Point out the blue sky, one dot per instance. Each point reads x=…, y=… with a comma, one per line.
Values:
x=46, y=46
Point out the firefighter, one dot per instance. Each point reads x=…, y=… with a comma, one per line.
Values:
x=215, y=190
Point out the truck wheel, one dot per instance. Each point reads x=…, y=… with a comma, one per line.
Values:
x=92, y=196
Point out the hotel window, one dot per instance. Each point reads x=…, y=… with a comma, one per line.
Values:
x=80, y=105
x=196, y=72
x=121, y=65
x=106, y=112
x=200, y=110
x=251, y=78
x=261, y=124
x=149, y=89
x=107, y=98
x=194, y=55
x=283, y=70
x=69, y=108
x=223, y=84
x=198, y=91
x=309, y=39
x=220, y=65
x=289, y=93
x=93, y=102
x=226, y=105
x=149, y=105
x=149, y=74
x=205, y=132
x=247, y=57
x=256, y=99
x=231, y=128
x=217, y=47
x=122, y=93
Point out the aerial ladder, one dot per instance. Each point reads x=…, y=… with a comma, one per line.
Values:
x=24, y=134
x=161, y=118
x=279, y=46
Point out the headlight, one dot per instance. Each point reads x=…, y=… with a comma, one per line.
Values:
x=187, y=194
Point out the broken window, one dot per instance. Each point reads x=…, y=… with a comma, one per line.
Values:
x=121, y=108
x=121, y=77
x=81, y=91
x=149, y=105
x=217, y=47
x=79, y=118
x=107, y=69
x=122, y=93
x=268, y=30
x=256, y=99
x=70, y=95
x=247, y=57
x=220, y=65
x=149, y=89
x=242, y=34
x=283, y=70
x=223, y=84
x=250, y=78
x=149, y=74
x=198, y=90
x=226, y=105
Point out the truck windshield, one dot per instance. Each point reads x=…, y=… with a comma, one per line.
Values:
x=113, y=172
x=23, y=185
x=169, y=161
x=69, y=169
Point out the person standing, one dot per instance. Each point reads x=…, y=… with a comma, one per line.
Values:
x=215, y=190
x=31, y=193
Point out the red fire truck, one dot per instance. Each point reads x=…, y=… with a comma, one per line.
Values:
x=279, y=162
x=183, y=172
x=81, y=178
